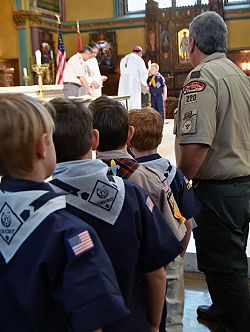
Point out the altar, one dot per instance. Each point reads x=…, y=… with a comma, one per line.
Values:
x=54, y=91
x=49, y=91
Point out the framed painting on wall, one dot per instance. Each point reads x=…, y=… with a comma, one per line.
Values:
x=183, y=44
x=106, y=41
x=49, y=5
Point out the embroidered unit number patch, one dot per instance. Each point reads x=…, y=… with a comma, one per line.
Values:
x=191, y=98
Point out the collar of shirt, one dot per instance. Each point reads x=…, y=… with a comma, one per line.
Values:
x=13, y=185
x=214, y=56
x=113, y=154
x=148, y=158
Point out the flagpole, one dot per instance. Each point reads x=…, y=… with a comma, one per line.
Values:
x=79, y=39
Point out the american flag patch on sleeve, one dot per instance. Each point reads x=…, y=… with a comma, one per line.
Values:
x=80, y=243
x=150, y=204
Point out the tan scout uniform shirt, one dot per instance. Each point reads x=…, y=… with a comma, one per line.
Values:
x=75, y=67
x=151, y=181
x=214, y=109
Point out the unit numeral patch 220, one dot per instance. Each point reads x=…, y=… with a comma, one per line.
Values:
x=194, y=86
x=191, y=98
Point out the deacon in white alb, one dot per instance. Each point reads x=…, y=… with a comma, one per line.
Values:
x=133, y=77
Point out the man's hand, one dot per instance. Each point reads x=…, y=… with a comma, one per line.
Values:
x=104, y=78
x=95, y=85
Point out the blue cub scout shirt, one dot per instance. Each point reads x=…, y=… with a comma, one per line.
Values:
x=51, y=283
x=159, y=84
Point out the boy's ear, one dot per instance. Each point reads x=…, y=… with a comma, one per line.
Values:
x=94, y=139
x=131, y=131
x=41, y=145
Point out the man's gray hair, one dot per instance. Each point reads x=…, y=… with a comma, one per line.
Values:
x=209, y=32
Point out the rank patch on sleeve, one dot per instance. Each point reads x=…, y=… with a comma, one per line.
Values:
x=188, y=124
x=187, y=127
x=195, y=86
x=80, y=243
x=187, y=115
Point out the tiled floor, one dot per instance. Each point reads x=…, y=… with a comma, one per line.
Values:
x=195, y=294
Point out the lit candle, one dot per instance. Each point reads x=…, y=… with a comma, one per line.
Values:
x=25, y=72
x=38, y=57
x=244, y=65
x=51, y=54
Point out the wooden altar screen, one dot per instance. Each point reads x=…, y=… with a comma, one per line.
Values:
x=166, y=34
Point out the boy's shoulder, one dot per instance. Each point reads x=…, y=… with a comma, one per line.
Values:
x=160, y=78
x=150, y=175
x=150, y=179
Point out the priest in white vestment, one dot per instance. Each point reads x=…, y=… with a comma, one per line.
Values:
x=93, y=74
x=133, y=77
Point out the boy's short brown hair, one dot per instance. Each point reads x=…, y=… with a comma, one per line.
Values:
x=148, y=128
x=73, y=129
x=23, y=120
x=110, y=118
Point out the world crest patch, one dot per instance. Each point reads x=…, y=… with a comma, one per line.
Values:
x=9, y=223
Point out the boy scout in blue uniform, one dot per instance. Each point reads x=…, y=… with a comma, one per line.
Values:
x=157, y=89
x=147, y=136
x=212, y=129
x=54, y=272
x=130, y=226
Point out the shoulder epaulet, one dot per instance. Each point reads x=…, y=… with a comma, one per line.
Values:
x=196, y=74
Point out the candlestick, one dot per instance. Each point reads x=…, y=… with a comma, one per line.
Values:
x=52, y=72
x=38, y=57
x=25, y=72
x=51, y=55
x=40, y=70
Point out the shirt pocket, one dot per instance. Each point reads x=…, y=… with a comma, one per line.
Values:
x=188, y=122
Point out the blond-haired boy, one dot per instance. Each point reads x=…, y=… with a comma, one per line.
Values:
x=55, y=274
x=158, y=89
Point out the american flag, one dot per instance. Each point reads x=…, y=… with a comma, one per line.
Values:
x=150, y=204
x=80, y=243
x=60, y=58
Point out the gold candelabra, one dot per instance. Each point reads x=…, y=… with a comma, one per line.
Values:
x=40, y=70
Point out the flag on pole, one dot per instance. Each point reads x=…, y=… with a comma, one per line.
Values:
x=79, y=38
x=60, y=58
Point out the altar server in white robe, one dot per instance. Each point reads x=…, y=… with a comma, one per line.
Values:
x=133, y=77
x=94, y=77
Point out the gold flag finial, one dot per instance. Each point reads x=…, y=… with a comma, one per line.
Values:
x=58, y=18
